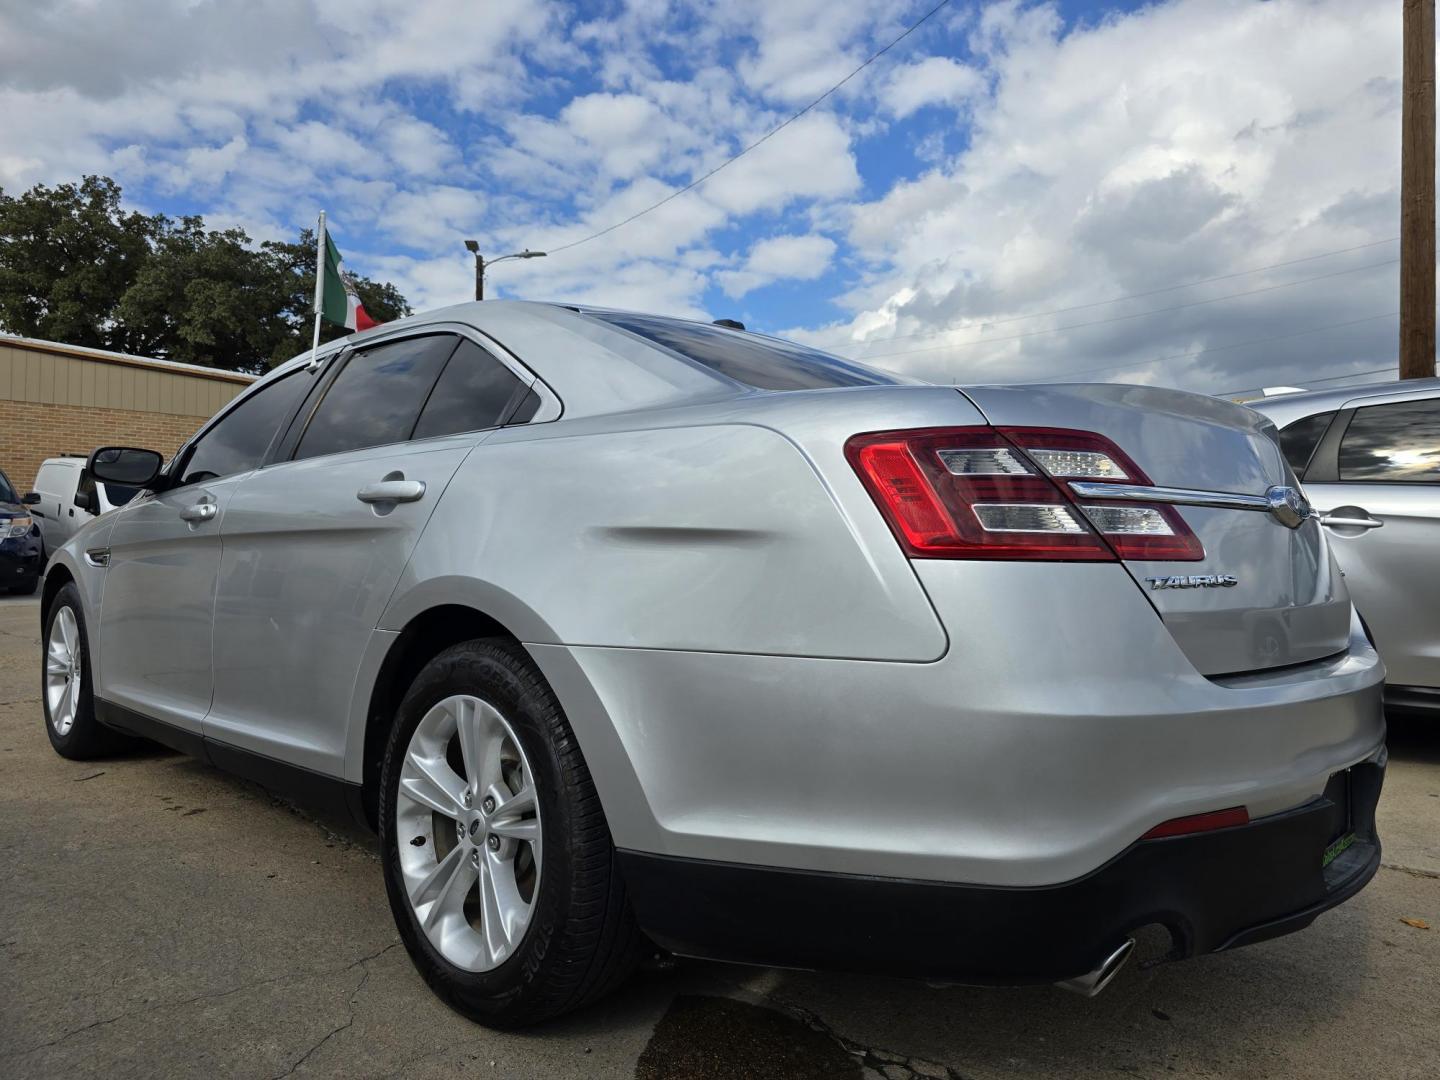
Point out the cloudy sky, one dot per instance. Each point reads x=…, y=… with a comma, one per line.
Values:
x=1198, y=193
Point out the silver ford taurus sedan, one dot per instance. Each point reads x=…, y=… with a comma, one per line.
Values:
x=617, y=626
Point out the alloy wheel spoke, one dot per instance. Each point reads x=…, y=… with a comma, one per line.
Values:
x=472, y=740
x=508, y=805
x=497, y=933
x=449, y=882
x=432, y=783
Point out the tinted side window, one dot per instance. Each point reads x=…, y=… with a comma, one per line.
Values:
x=118, y=494
x=473, y=393
x=1399, y=442
x=239, y=441
x=1298, y=441
x=764, y=363
x=377, y=396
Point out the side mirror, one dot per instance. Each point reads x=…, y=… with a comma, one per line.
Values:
x=88, y=499
x=31, y=499
x=125, y=465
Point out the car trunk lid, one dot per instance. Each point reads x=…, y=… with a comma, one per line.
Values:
x=1263, y=595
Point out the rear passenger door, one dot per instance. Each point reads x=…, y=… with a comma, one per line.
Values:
x=314, y=543
x=1376, y=479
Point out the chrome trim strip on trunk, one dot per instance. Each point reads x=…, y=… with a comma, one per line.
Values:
x=1178, y=496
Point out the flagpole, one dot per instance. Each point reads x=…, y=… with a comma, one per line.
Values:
x=319, y=285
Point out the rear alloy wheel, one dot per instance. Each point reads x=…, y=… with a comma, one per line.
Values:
x=69, y=703
x=498, y=861
x=472, y=863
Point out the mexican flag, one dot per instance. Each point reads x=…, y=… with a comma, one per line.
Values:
x=335, y=298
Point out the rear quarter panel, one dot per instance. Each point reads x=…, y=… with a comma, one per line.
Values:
x=713, y=531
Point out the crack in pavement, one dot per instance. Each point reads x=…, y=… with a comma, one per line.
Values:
x=887, y=1063
x=1413, y=871
x=349, y=1020
x=212, y=995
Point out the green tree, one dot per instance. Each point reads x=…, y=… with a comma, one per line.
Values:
x=75, y=267
x=67, y=256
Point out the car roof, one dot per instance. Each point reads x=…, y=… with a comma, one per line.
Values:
x=1285, y=409
x=594, y=366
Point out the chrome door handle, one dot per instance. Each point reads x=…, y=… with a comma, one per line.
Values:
x=392, y=491
x=1351, y=522
x=199, y=512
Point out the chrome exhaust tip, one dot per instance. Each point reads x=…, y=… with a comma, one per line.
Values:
x=1092, y=982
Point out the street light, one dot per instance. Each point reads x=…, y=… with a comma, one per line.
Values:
x=481, y=263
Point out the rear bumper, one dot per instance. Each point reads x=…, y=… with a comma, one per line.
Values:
x=1213, y=891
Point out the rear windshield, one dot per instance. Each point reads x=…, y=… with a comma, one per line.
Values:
x=762, y=362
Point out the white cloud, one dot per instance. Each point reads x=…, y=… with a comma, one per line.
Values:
x=799, y=258
x=1126, y=153
x=935, y=80
x=812, y=158
x=1187, y=140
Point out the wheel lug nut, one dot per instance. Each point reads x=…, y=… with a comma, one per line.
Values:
x=488, y=805
x=475, y=857
x=494, y=842
x=467, y=797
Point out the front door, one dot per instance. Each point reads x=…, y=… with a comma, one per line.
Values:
x=164, y=558
x=314, y=545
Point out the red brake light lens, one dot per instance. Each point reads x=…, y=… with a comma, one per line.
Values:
x=1139, y=531
x=988, y=493
x=966, y=493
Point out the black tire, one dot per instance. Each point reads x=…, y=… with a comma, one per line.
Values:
x=582, y=940
x=87, y=737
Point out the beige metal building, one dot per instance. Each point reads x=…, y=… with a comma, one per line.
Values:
x=57, y=399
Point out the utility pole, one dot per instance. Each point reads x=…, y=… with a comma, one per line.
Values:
x=481, y=263
x=474, y=249
x=1417, y=193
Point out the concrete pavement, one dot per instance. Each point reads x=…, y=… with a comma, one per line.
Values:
x=159, y=918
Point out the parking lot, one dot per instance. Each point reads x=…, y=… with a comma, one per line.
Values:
x=159, y=918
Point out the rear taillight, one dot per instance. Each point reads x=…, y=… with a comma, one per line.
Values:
x=1001, y=493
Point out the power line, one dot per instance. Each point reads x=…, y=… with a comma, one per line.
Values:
x=1133, y=296
x=1124, y=318
x=773, y=131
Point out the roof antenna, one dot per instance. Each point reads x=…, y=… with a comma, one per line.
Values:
x=733, y=324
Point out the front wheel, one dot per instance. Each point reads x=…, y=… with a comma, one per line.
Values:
x=65, y=685
x=498, y=861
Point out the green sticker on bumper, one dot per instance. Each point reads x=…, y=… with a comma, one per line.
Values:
x=1333, y=851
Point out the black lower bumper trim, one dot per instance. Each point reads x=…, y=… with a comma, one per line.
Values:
x=1212, y=891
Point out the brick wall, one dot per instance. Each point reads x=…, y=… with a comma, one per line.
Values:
x=31, y=431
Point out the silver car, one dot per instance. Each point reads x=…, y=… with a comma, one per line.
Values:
x=1369, y=457
x=620, y=627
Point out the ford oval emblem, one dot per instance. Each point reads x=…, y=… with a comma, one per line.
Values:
x=1288, y=506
